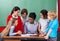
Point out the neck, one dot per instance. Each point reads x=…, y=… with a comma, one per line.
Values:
x=32, y=22
x=24, y=17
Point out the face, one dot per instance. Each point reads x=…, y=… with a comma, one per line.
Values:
x=41, y=15
x=24, y=15
x=16, y=12
x=49, y=17
x=31, y=20
x=16, y=22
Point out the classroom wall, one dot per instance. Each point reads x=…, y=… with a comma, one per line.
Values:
x=32, y=6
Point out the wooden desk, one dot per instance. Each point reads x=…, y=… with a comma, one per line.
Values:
x=19, y=38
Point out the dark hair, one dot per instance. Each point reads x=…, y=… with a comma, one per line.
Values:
x=24, y=11
x=32, y=15
x=15, y=9
x=44, y=13
x=13, y=20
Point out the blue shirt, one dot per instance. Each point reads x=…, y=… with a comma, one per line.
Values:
x=30, y=28
x=54, y=26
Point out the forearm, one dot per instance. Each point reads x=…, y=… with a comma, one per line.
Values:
x=49, y=32
x=12, y=34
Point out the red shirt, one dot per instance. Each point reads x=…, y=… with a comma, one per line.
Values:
x=19, y=25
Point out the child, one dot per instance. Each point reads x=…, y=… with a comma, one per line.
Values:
x=43, y=21
x=13, y=24
x=51, y=31
x=9, y=30
x=24, y=14
x=31, y=25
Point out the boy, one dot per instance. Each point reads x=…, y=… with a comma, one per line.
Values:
x=31, y=25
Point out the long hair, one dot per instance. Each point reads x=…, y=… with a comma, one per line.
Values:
x=15, y=9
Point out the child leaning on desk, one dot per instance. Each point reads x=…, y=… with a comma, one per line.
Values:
x=43, y=22
x=9, y=30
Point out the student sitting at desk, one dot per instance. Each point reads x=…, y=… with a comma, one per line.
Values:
x=43, y=22
x=51, y=31
x=9, y=30
x=31, y=26
x=24, y=14
x=13, y=24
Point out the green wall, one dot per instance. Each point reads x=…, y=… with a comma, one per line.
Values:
x=32, y=6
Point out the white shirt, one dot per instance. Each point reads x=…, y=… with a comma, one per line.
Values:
x=11, y=33
x=44, y=24
x=30, y=28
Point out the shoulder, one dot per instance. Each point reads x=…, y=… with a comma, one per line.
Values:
x=9, y=15
x=26, y=23
x=19, y=18
x=39, y=19
x=36, y=23
x=12, y=26
x=55, y=20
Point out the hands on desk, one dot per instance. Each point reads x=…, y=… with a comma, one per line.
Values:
x=19, y=32
x=44, y=35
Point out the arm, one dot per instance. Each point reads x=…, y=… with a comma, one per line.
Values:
x=21, y=26
x=52, y=27
x=11, y=33
x=25, y=29
x=39, y=27
x=47, y=36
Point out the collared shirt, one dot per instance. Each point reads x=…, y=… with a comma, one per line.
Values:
x=30, y=28
x=43, y=24
x=54, y=26
x=11, y=33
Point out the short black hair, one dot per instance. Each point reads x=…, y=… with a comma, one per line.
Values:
x=24, y=11
x=32, y=15
x=15, y=9
x=44, y=13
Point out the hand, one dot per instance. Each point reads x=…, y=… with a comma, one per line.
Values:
x=46, y=37
x=36, y=33
x=42, y=35
x=19, y=32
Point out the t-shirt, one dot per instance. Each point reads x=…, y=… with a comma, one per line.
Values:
x=30, y=28
x=44, y=24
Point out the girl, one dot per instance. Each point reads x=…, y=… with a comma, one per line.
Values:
x=15, y=14
x=43, y=22
x=14, y=23
x=10, y=28
x=24, y=14
x=51, y=31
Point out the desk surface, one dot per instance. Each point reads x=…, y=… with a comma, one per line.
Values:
x=23, y=38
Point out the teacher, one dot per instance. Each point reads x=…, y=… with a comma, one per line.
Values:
x=15, y=14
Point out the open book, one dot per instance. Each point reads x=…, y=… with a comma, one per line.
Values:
x=27, y=35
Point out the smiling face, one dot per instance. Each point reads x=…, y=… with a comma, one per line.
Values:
x=16, y=13
x=24, y=15
x=31, y=20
